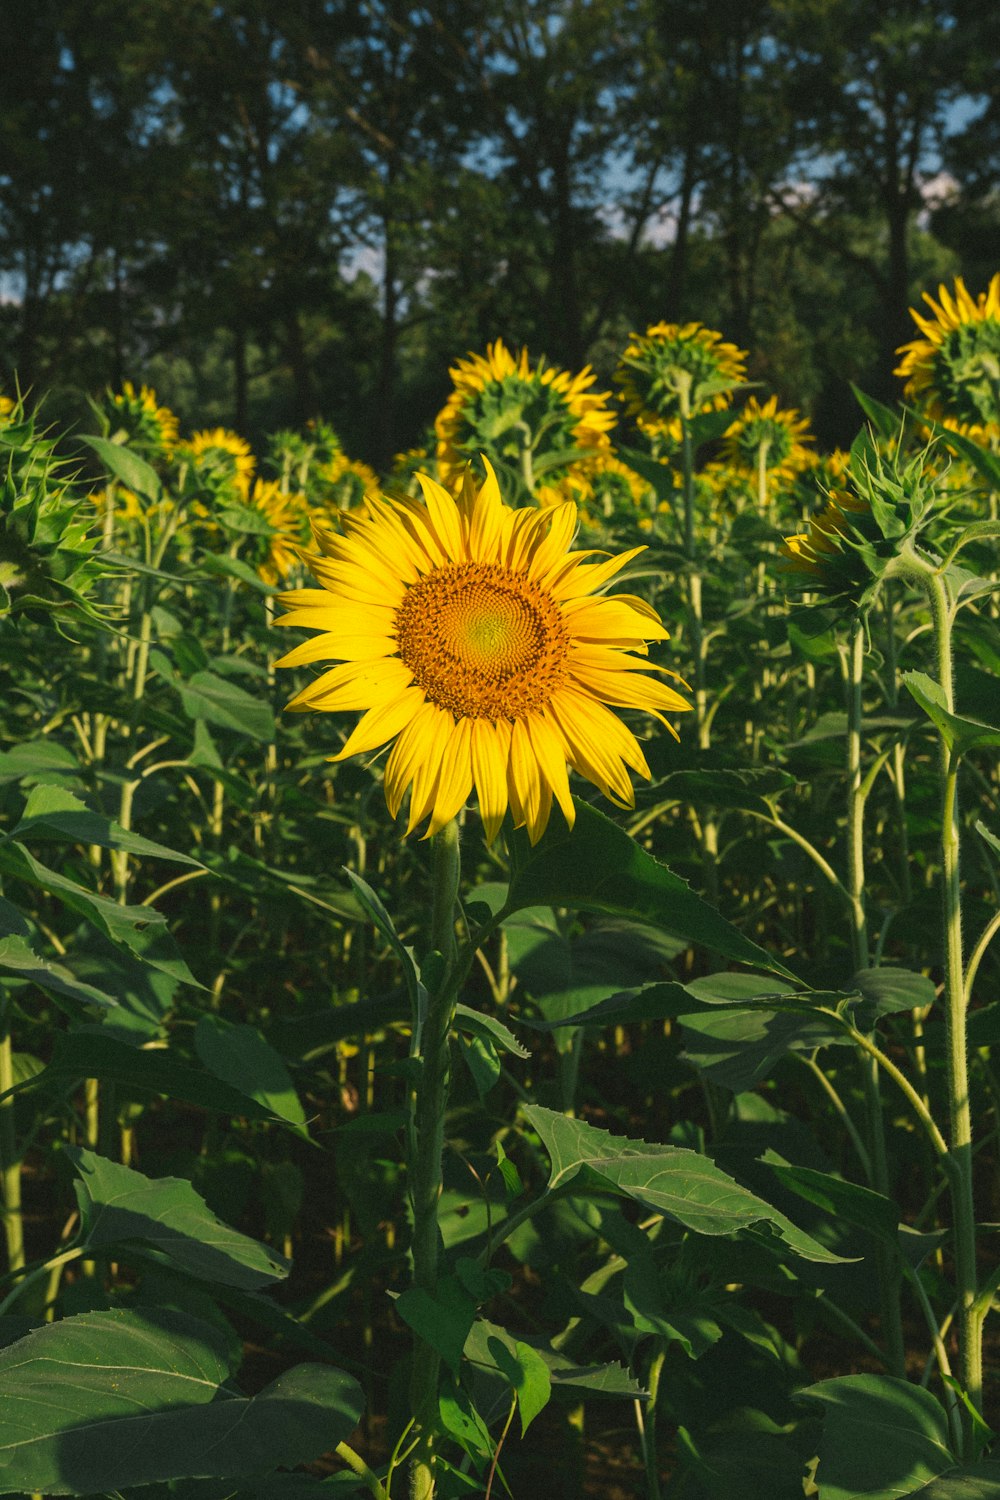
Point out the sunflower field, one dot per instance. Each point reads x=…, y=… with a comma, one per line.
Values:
x=554, y=1055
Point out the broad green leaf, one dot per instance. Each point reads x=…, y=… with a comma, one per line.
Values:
x=38, y=760
x=210, y=697
x=108, y=1400
x=442, y=1317
x=582, y=1382
x=959, y=734
x=889, y=990
x=460, y=1418
x=882, y=1437
x=233, y=567
x=839, y=1198
x=119, y=1206
x=91, y=1054
x=18, y=957
x=746, y=1455
x=671, y=1318
x=737, y=1048
x=680, y=1184
x=488, y=1029
x=52, y=812
x=528, y=1375
x=980, y=1482
x=240, y=1056
x=140, y=928
x=480, y=1057
x=127, y=467
x=596, y=866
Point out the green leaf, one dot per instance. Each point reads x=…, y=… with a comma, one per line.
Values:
x=753, y=789
x=480, y=1057
x=671, y=1180
x=91, y=1054
x=107, y=1400
x=38, y=760
x=578, y=1381
x=598, y=867
x=737, y=1048
x=989, y=838
x=839, y=1198
x=141, y=929
x=442, y=1318
x=888, y=420
x=881, y=1437
x=18, y=957
x=51, y=812
x=241, y=1057
x=119, y=1206
x=233, y=567
x=513, y=1186
x=488, y=1029
x=890, y=990
x=528, y=1375
x=375, y=908
x=125, y=466
x=959, y=734
x=980, y=1482
x=210, y=697
x=672, y=1319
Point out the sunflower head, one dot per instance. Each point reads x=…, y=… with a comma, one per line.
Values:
x=135, y=417
x=765, y=434
x=953, y=370
x=677, y=370
x=471, y=636
x=221, y=459
x=276, y=524
x=533, y=422
x=342, y=483
x=866, y=523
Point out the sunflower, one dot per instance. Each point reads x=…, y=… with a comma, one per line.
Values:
x=675, y=369
x=227, y=454
x=769, y=435
x=953, y=371
x=287, y=517
x=344, y=482
x=142, y=421
x=531, y=421
x=815, y=552
x=473, y=637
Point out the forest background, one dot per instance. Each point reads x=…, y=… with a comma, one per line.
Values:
x=285, y=208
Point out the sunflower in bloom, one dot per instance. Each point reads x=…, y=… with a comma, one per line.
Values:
x=765, y=433
x=677, y=369
x=344, y=481
x=287, y=516
x=953, y=370
x=142, y=421
x=225, y=453
x=504, y=408
x=471, y=636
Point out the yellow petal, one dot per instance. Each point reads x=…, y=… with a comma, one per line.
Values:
x=435, y=737
x=490, y=749
x=455, y=781
x=382, y=723
x=445, y=519
x=551, y=758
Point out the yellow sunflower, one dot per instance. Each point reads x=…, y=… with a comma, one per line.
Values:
x=473, y=637
x=528, y=420
x=823, y=554
x=953, y=371
x=225, y=451
x=675, y=368
x=146, y=424
x=765, y=434
x=287, y=516
x=345, y=482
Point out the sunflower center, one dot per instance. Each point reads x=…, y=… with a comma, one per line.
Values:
x=482, y=641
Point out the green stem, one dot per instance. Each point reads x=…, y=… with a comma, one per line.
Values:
x=647, y=1427
x=429, y=1102
x=960, y=1144
x=709, y=827
x=356, y=1462
x=888, y=1275
x=10, y=1162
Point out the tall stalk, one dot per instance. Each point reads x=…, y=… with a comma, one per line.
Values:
x=960, y=1114
x=888, y=1276
x=709, y=827
x=10, y=1161
x=429, y=1102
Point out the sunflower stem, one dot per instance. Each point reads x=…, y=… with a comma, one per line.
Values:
x=428, y=1104
x=709, y=828
x=888, y=1275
